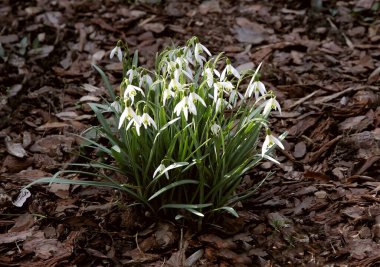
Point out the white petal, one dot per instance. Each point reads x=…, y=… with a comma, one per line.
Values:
x=192, y=108
x=277, y=105
x=268, y=107
x=113, y=51
x=122, y=118
x=185, y=112
x=223, y=74
x=271, y=159
x=119, y=54
x=277, y=142
x=216, y=72
x=264, y=148
x=235, y=72
x=205, y=49
x=261, y=88
x=153, y=123
x=216, y=91
x=249, y=91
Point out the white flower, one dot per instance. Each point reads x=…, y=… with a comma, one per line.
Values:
x=130, y=92
x=117, y=50
x=234, y=97
x=185, y=105
x=146, y=79
x=193, y=97
x=229, y=70
x=221, y=103
x=176, y=86
x=209, y=76
x=198, y=50
x=269, y=141
x=166, y=94
x=128, y=113
x=257, y=88
x=131, y=73
x=183, y=63
x=215, y=129
x=271, y=103
x=178, y=71
x=159, y=170
x=136, y=121
x=219, y=86
x=147, y=120
x=189, y=56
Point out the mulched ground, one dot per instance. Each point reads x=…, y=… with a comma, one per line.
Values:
x=321, y=58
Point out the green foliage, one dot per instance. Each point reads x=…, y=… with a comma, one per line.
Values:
x=182, y=136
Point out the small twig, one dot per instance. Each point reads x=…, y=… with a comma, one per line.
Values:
x=137, y=244
x=303, y=99
x=328, y=98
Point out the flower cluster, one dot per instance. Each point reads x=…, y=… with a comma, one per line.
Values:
x=195, y=120
x=186, y=81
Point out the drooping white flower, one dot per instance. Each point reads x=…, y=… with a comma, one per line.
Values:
x=147, y=120
x=183, y=64
x=195, y=97
x=209, y=76
x=234, y=95
x=189, y=55
x=146, y=79
x=131, y=73
x=159, y=170
x=185, y=106
x=176, y=85
x=117, y=50
x=167, y=94
x=128, y=113
x=177, y=73
x=215, y=129
x=228, y=70
x=222, y=86
x=256, y=87
x=270, y=104
x=130, y=92
x=269, y=141
x=221, y=103
x=136, y=121
x=198, y=50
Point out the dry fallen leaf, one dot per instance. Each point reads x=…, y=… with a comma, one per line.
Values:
x=15, y=149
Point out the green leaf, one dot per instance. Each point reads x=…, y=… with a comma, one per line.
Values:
x=106, y=81
x=230, y=210
x=196, y=212
x=185, y=206
x=172, y=185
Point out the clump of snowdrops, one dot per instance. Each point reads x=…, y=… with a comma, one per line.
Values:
x=183, y=135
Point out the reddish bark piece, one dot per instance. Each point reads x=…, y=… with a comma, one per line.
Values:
x=42, y=247
x=22, y=223
x=16, y=236
x=210, y=6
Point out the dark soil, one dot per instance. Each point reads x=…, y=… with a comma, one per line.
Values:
x=321, y=58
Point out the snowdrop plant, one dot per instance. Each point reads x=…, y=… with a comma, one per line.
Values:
x=183, y=135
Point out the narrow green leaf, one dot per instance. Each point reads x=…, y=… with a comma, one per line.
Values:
x=185, y=206
x=195, y=212
x=106, y=81
x=172, y=185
